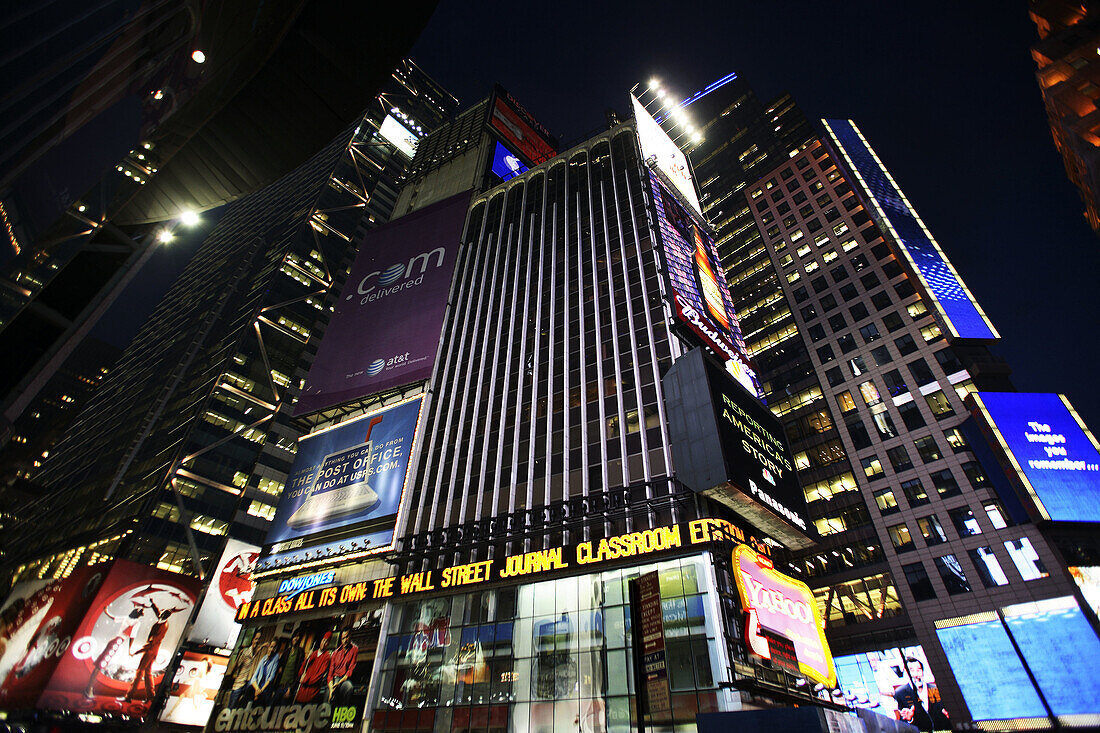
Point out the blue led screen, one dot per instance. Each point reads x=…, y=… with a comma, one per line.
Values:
x=506, y=164
x=990, y=675
x=1060, y=462
x=1061, y=649
x=956, y=305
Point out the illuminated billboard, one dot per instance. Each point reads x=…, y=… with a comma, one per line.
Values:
x=658, y=147
x=1087, y=578
x=124, y=643
x=304, y=676
x=896, y=682
x=519, y=129
x=897, y=217
x=230, y=586
x=37, y=622
x=346, y=480
x=399, y=136
x=1051, y=452
x=386, y=328
x=787, y=607
x=505, y=164
x=728, y=446
x=988, y=651
x=700, y=295
x=190, y=699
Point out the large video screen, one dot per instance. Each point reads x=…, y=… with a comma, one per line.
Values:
x=1049, y=445
x=701, y=296
x=348, y=476
x=951, y=297
x=669, y=159
x=519, y=129
x=399, y=136
x=896, y=682
x=1052, y=637
x=505, y=163
x=386, y=328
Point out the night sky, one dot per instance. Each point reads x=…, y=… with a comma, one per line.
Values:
x=946, y=94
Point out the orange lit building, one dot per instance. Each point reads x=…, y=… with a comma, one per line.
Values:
x=1068, y=55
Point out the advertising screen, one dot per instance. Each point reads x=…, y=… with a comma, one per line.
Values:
x=670, y=160
x=505, y=164
x=1051, y=450
x=787, y=607
x=350, y=475
x=304, y=676
x=896, y=682
x=124, y=642
x=190, y=699
x=701, y=298
x=399, y=136
x=519, y=129
x=894, y=213
x=987, y=653
x=37, y=622
x=230, y=586
x=386, y=328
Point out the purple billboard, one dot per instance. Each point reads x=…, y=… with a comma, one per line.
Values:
x=387, y=324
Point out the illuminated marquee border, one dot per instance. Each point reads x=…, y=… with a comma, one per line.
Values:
x=819, y=624
x=898, y=238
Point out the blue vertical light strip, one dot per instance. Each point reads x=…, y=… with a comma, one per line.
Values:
x=951, y=299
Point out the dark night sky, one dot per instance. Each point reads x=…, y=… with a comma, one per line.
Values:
x=946, y=94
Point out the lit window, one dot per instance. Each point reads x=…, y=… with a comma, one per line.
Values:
x=900, y=537
x=872, y=467
x=989, y=569
x=1026, y=559
x=996, y=514
x=931, y=530
x=951, y=573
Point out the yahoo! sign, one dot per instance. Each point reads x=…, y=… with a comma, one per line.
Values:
x=785, y=606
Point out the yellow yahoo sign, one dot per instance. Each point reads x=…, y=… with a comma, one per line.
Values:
x=786, y=606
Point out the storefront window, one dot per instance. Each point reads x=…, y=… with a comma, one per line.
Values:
x=546, y=656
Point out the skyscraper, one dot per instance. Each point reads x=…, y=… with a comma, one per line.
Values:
x=186, y=445
x=867, y=345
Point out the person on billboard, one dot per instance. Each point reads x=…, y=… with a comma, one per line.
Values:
x=315, y=670
x=286, y=679
x=256, y=689
x=39, y=645
x=340, y=669
x=149, y=651
x=195, y=689
x=919, y=702
x=127, y=631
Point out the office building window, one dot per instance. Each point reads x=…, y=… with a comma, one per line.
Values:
x=809, y=313
x=948, y=361
x=856, y=429
x=835, y=376
x=919, y=582
x=825, y=353
x=800, y=295
x=828, y=302
x=883, y=422
x=900, y=537
x=927, y=449
x=872, y=467
x=859, y=312
x=837, y=322
x=945, y=483
x=870, y=394
x=905, y=344
x=846, y=343
x=895, y=383
x=881, y=355
x=910, y=415
x=966, y=523
x=881, y=301
x=870, y=281
x=914, y=492
x=817, y=332
x=951, y=573
x=920, y=371
x=892, y=321
x=899, y=458
x=1026, y=559
x=886, y=502
x=956, y=440
x=975, y=474
x=937, y=402
x=931, y=530
x=845, y=402
x=848, y=292
x=989, y=569
x=857, y=366
x=996, y=513
x=870, y=333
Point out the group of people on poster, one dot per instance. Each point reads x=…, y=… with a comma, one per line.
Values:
x=896, y=682
x=308, y=666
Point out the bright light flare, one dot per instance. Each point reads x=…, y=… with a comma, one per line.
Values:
x=164, y=236
x=189, y=218
x=198, y=56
